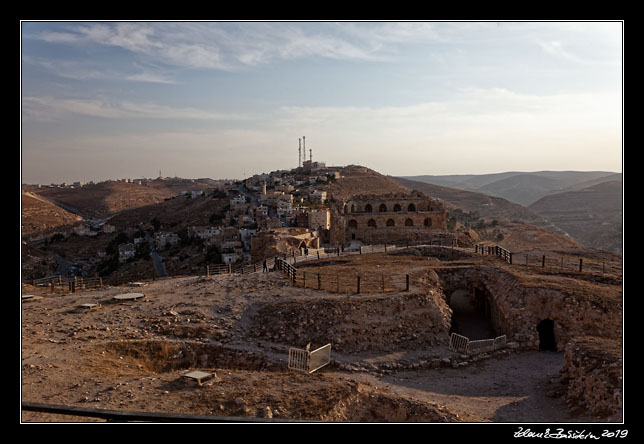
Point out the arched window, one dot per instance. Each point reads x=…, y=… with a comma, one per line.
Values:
x=353, y=223
x=409, y=223
x=368, y=208
x=396, y=207
x=383, y=208
x=411, y=207
x=353, y=208
x=346, y=209
x=371, y=223
x=391, y=223
x=428, y=222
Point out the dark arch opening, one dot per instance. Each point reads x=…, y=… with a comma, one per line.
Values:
x=546, y=329
x=411, y=207
x=391, y=223
x=368, y=208
x=396, y=208
x=471, y=314
x=371, y=223
x=353, y=223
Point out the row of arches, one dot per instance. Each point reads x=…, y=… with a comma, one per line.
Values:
x=371, y=223
x=382, y=208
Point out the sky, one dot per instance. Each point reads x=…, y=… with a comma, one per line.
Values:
x=108, y=100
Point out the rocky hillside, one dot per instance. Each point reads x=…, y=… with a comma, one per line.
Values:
x=357, y=180
x=523, y=188
x=106, y=199
x=42, y=216
x=592, y=215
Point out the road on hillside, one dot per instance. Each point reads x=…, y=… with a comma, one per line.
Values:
x=157, y=261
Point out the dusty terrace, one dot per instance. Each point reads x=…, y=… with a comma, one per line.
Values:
x=390, y=356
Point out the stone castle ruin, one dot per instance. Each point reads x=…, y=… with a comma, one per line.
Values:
x=389, y=218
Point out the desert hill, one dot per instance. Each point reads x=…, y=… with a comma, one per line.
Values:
x=523, y=188
x=486, y=206
x=106, y=199
x=591, y=215
x=517, y=228
x=178, y=212
x=41, y=216
x=357, y=180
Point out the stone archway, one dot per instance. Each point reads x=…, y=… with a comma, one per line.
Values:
x=546, y=329
x=382, y=208
x=368, y=208
x=391, y=223
x=409, y=223
x=371, y=223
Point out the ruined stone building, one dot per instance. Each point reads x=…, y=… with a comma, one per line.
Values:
x=390, y=218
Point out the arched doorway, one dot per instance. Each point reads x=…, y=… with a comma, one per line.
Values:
x=382, y=208
x=371, y=223
x=368, y=208
x=409, y=223
x=546, y=329
x=391, y=223
x=471, y=315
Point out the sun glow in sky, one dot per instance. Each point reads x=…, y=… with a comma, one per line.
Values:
x=109, y=100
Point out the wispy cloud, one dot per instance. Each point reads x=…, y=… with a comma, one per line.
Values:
x=230, y=46
x=52, y=109
x=89, y=70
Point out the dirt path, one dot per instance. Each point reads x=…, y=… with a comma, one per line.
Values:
x=511, y=389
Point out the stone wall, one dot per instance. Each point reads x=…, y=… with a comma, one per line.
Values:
x=390, y=218
x=593, y=375
x=517, y=307
x=407, y=321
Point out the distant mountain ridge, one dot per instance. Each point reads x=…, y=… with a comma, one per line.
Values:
x=587, y=205
x=523, y=188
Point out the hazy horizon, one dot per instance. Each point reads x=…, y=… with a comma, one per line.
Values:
x=226, y=100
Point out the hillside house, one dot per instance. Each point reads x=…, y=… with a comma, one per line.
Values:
x=164, y=239
x=126, y=251
x=108, y=228
x=203, y=233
